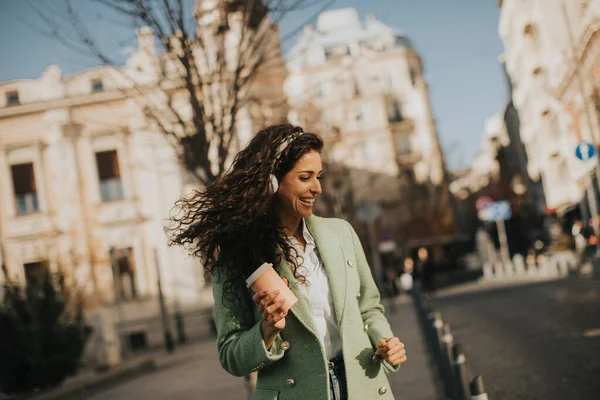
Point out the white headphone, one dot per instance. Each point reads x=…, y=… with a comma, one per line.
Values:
x=274, y=183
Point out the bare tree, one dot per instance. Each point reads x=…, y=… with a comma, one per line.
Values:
x=197, y=70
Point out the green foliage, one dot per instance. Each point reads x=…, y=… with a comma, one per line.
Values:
x=42, y=334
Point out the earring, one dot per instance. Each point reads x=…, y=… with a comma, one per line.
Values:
x=274, y=184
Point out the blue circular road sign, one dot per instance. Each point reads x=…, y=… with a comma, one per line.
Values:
x=585, y=151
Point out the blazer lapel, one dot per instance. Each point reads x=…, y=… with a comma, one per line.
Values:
x=301, y=309
x=330, y=251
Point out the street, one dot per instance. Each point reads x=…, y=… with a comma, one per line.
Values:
x=538, y=341
x=203, y=378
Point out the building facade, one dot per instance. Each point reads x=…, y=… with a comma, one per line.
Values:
x=360, y=84
x=552, y=54
x=87, y=183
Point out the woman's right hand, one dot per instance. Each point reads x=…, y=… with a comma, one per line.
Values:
x=273, y=317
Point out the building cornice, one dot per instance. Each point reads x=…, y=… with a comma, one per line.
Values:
x=65, y=102
x=339, y=64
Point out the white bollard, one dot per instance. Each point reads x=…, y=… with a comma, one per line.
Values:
x=508, y=269
x=488, y=271
x=519, y=264
x=553, y=267
x=477, y=389
x=563, y=267
x=532, y=270
x=498, y=270
x=543, y=269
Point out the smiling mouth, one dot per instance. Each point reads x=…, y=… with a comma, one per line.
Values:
x=307, y=201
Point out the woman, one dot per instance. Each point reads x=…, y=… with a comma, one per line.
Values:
x=335, y=342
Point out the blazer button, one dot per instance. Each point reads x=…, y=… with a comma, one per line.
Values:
x=366, y=328
x=382, y=390
x=290, y=382
x=350, y=263
x=358, y=296
x=285, y=345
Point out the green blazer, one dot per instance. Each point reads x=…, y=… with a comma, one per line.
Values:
x=295, y=367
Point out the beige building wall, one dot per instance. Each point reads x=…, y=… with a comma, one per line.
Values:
x=70, y=215
x=552, y=54
x=70, y=225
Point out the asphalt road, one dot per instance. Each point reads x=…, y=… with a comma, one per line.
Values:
x=539, y=341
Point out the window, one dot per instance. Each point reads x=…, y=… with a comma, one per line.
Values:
x=531, y=33
x=12, y=98
x=413, y=75
x=402, y=42
x=35, y=272
x=111, y=187
x=123, y=268
x=394, y=113
x=409, y=176
x=361, y=114
x=371, y=149
x=404, y=145
x=97, y=85
x=320, y=89
x=25, y=189
x=336, y=51
x=356, y=87
x=390, y=79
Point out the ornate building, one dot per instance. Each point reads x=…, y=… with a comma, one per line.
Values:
x=361, y=85
x=87, y=183
x=552, y=54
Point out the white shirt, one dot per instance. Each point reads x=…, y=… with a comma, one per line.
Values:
x=318, y=294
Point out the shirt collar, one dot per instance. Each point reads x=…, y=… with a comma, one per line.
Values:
x=306, y=234
x=310, y=240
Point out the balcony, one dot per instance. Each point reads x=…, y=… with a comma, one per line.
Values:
x=27, y=203
x=111, y=189
x=399, y=124
x=408, y=158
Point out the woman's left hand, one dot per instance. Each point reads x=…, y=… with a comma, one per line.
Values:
x=391, y=350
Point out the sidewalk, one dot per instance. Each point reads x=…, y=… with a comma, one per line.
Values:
x=417, y=378
x=137, y=365
x=193, y=371
x=481, y=285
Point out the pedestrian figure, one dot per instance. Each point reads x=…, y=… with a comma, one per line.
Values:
x=406, y=279
x=391, y=288
x=425, y=270
x=335, y=342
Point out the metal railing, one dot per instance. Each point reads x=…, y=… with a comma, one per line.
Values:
x=27, y=203
x=111, y=189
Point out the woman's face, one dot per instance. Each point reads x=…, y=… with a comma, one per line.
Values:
x=299, y=187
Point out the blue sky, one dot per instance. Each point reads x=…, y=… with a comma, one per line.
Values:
x=457, y=39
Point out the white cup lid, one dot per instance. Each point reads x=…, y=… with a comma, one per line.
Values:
x=257, y=273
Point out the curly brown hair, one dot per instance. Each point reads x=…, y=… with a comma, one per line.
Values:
x=231, y=225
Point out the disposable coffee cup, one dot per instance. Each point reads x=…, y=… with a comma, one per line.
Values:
x=265, y=277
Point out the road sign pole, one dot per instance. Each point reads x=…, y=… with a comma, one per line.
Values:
x=503, y=241
x=593, y=205
x=585, y=152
